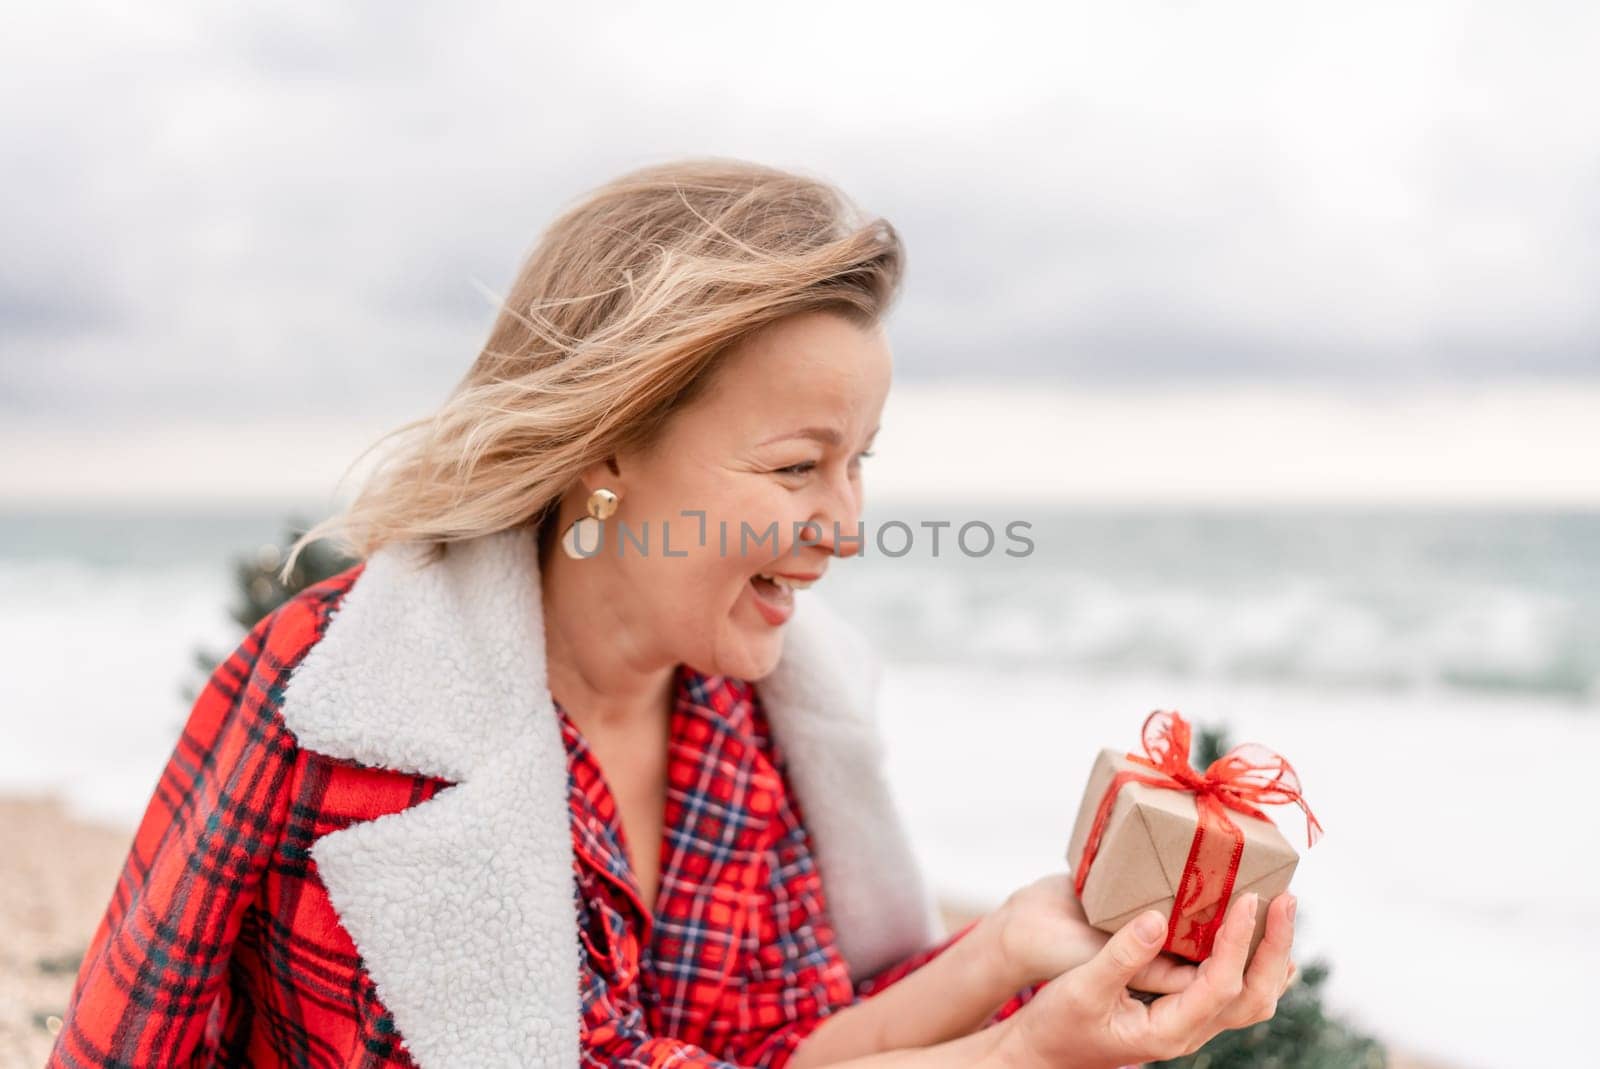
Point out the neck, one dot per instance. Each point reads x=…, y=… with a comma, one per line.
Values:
x=600, y=662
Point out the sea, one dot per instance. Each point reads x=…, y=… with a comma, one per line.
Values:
x=1432, y=674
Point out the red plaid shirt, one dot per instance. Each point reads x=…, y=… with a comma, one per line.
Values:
x=696, y=981
x=220, y=947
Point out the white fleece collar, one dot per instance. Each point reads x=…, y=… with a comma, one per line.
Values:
x=462, y=907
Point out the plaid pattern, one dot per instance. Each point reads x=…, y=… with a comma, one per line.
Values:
x=737, y=964
x=220, y=947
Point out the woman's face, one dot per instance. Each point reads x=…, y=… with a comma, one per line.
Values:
x=775, y=442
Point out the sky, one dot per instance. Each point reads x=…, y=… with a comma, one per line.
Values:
x=233, y=225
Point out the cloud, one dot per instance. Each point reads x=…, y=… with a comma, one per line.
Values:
x=285, y=208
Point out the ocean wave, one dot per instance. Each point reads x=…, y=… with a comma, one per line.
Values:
x=1288, y=627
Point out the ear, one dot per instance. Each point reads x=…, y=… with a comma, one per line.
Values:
x=601, y=473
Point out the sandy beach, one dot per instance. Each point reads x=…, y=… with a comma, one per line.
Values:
x=58, y=877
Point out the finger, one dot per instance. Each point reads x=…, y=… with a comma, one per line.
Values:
x=1105, y=977
x=1268, y=972
x=1165, y=975
x=1220, y=979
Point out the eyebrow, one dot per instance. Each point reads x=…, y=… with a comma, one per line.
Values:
x=827, y=435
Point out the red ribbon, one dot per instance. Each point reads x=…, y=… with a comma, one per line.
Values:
x=1246, y=776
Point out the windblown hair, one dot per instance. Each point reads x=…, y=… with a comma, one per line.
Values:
x=616, y=320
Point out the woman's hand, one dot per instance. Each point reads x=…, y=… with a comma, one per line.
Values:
x=1042, y=933
x=1086, y=1019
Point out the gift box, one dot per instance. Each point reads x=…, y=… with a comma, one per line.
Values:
x=1154, y=833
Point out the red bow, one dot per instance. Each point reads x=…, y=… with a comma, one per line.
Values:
x=1246, y=776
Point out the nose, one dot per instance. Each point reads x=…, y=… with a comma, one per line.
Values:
x=840, y=520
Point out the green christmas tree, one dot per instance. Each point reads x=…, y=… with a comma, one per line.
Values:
x=1300, y=1035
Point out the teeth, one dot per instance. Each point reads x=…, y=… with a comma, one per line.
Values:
x=787, y=583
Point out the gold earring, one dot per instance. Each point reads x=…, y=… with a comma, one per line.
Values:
x=591, y=528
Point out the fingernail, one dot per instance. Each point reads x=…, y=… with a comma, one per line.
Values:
x=1294, y=904
x=1150, y=926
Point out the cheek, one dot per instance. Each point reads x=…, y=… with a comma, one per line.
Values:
x=742, y=534
x=703, y=584
x=770, y=520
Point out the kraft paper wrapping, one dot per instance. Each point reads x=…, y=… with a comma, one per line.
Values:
x=1146, y=841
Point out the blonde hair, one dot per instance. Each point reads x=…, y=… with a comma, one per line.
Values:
x=616, y=320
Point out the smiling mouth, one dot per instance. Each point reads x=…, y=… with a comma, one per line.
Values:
x=785, y=583
x=771, y=592
x=777, y=590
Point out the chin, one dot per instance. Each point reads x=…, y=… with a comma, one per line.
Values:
x=753, y=659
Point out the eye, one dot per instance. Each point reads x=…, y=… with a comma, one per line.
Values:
x=806, y=466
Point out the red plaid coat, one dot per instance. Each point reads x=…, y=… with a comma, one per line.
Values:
x=223, y=943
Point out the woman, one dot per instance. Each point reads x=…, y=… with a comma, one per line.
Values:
x=413, y=819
